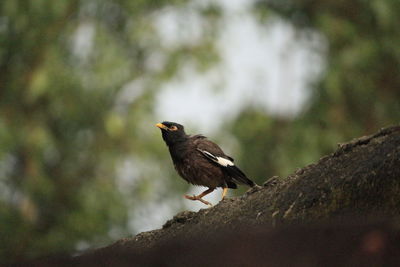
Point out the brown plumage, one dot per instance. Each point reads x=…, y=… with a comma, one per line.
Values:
x=200, y=161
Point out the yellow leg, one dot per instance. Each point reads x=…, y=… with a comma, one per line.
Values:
x=199, y=197
x=224, y=191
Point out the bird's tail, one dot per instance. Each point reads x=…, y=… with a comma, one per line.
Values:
x=238, y=176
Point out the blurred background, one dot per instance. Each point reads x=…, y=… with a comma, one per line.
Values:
x=277, y=83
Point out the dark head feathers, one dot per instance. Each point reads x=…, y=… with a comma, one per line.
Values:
x=170, y=124
x=172, y=132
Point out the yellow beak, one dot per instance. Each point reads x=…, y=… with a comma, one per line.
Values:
x=161, y=126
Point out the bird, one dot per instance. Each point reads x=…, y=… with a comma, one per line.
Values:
x=199, y=161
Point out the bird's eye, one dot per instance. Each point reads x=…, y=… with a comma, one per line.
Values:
x=173, y=128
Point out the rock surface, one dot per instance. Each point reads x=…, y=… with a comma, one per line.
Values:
x=311, y=211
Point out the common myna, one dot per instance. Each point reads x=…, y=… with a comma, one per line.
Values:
x=200, y=161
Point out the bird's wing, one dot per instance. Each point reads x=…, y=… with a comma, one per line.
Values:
x=201, y=142
x=215, y=154
x=220, y=160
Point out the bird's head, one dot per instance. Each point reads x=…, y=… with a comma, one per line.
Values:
x=172, y=132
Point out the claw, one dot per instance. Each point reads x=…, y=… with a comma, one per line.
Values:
x=190, y=197
x=199, y=197
x=205, y=202
x=194, y=197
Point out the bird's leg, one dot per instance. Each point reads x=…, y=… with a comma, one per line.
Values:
x=199, y=197
x=224, y=191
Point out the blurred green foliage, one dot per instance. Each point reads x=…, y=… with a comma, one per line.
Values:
x=358, y=93
x=77, y=86
x=68, y=116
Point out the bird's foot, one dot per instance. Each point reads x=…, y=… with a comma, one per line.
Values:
x=194, y=197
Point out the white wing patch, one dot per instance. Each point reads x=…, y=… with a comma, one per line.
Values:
x=220, y=160
x=224, y=162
